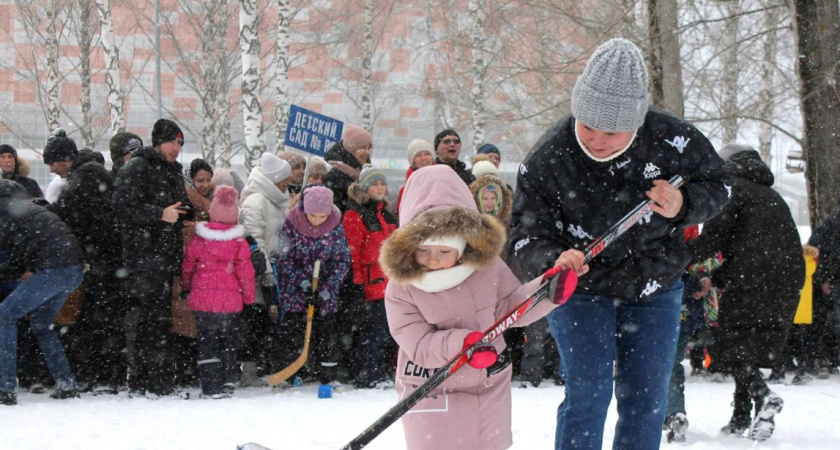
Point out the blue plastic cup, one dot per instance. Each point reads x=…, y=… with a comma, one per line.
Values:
x=325, y=391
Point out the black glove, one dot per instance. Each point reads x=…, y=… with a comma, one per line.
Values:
x=257, y=256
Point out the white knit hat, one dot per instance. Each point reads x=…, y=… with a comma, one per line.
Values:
x=611, y=93
x=415, y=147
x=484, y=168
x=456, y=242
x=274, y=168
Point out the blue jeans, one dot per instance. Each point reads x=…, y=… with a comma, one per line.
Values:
x=42, y=295
x=676, y=388
x=592, y=332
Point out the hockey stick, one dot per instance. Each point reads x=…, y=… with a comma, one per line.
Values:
x=566, y=280
x=283, y=375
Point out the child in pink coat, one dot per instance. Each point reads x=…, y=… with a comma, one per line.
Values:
x=447, y=284
x=218, y=276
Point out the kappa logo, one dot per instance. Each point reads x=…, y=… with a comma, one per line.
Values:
x=559, y=225
x=648, y=216
x=522, y=169
x=650, y=288
x=728, y=190
x=521, y=243
x=679, y=143
x=651, y=171
x=618, y=166
x=577, y=231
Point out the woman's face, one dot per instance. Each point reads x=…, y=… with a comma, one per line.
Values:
x=7, y=162
x=602, y=144
x=316, y=220
x=202, y=182
x=377, y=190
x=436, y=257
x=422, y=159
x=488, y=200
x=362, y=154
x=297, y=174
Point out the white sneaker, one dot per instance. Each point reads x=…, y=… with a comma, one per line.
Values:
x=676, y=427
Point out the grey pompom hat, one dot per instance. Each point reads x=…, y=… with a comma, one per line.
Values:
x=611, y=93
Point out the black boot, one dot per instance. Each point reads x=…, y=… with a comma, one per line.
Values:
x=739, y=424
x=63, y=394
x=8, y=398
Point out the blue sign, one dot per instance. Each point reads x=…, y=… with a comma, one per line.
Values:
x=312, y=132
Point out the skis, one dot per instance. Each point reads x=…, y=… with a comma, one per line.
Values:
x=566, y=280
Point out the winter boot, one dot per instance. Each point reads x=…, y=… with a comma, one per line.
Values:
x=63, y=394
x=763, y=425
x=739, y=424
x=777, y=376
x=676, y=427
x=210, y=374
x=249, y=376
x=8, y=398
x=37, y=388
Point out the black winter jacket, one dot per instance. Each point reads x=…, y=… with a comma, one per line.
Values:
x=34, y=238
x=566, y=200
x=30, y=185
x=144, y=187
x=338, y=180
x=761, y=248
x=461, y=169
x=85, y=206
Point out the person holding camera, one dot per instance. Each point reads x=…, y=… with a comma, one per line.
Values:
x=151, y=205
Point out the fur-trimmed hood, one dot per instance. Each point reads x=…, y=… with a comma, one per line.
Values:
x=355, y=193
x=507, y=196
x=437, y=203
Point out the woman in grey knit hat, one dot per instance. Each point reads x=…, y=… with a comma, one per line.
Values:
x=584, y=174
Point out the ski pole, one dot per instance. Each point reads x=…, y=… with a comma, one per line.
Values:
x=566, y=279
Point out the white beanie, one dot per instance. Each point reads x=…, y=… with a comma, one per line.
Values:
x=456, y=242
x=416, y=146
x=611, y=93
x=484, y=168
x=274, y=168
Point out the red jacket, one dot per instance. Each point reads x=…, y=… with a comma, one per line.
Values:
x=367, y=223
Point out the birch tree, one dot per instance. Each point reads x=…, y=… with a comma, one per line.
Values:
x=53, y=87
x=209, y=63
x=730, y=72
x=768, y=72
x=476, y=13
x=281, y=75
x=367, y=75
x=223, y=100
x=249, y=46
x=664, y=52
x=84, y=41
x=112, y=66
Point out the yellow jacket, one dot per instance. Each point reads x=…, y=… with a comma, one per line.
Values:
x=805, y=310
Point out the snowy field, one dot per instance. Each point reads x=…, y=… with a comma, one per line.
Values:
x=297, y=419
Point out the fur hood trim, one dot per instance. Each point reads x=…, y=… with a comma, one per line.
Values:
x=507, y=195
x=355, y=193
x=221, y=234
x=484, y=234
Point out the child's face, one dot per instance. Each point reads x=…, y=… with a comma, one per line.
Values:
x=316, y=219
x=316, y=179
x=436, y=257
x=377, y=190
x=488, y=201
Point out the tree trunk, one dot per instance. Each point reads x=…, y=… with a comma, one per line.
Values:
x=53, y=98
x=210, y=63
x=83, y=36
x=281, y=75
x=665, y=66
x=730, y=73
x=476, y=13
x=768, y=71
x=367, y=75
x=249, y=46
x=818, y=44
x=223, y=101
x=112, y=66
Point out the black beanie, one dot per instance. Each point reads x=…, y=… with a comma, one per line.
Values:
x=443, y=134
x=6, y=148
x=166, y=130
x=124, y=142
x=60, y=148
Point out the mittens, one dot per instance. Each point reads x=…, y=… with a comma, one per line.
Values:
x=482, y=356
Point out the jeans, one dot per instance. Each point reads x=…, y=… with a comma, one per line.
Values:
x=218, y=338
x=676, y=388
x=592, y=332
x=42, y=295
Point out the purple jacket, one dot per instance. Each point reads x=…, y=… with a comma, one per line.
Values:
x=217, y=269
x=430, y=314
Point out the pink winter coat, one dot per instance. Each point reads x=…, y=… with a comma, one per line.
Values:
x=471, y=409
x=217, y=269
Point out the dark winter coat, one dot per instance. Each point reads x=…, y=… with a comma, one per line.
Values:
x=827, y=239
x=566, y=200
x=300, y=246
x=763, y=269
x=144, y=187
x=29, y=184
x=34, y=238
x=344, y=173
x=367, y=223
x=461, y=169
x=85, y=206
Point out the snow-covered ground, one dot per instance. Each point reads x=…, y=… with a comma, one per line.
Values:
x=297, y=419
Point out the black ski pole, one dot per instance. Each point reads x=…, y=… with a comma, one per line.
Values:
x=507, y=320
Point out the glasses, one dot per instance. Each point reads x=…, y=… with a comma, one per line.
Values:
x=451, y=141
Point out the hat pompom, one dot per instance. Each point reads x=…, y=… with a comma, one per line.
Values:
x=224, y=207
